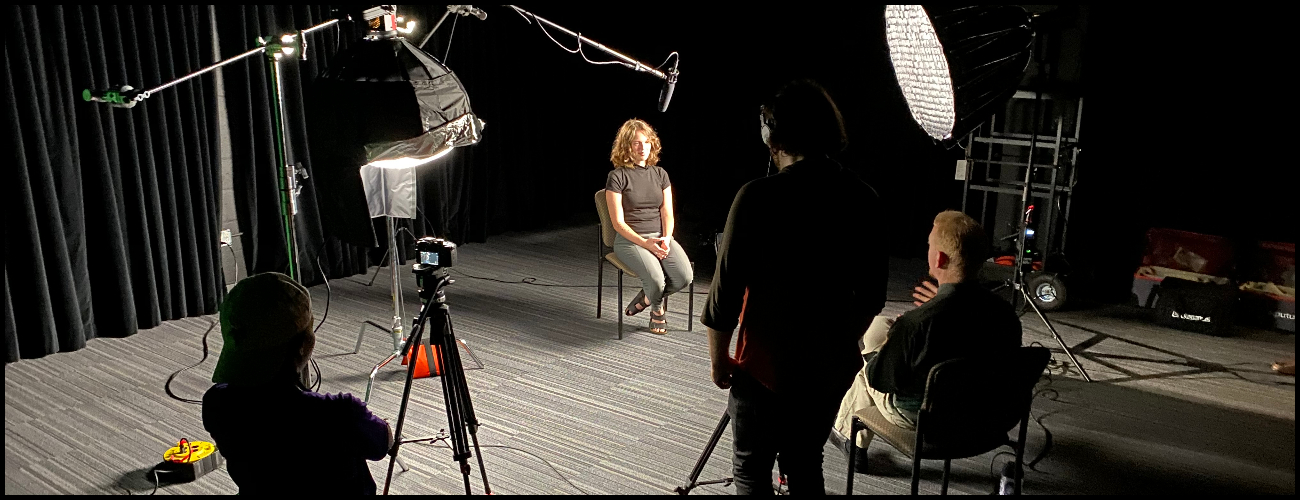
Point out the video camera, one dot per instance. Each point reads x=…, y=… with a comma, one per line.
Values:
x=433, y=254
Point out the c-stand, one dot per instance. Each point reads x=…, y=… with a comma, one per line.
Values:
x=1023, y=262
x=430, y=281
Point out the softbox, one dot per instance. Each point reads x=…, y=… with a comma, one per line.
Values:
x=956, y=64
x=383, y=102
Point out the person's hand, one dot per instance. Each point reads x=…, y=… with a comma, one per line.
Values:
x=722, y=370
x=653, y=245
x=924, y=293
x=661, y=243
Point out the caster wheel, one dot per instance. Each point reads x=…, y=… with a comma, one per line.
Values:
x=1047, y=290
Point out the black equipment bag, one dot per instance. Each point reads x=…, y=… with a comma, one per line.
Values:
x=1197, y=307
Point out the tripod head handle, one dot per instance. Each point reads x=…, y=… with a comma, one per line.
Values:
x=441, y=278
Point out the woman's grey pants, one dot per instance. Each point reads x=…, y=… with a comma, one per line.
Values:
x=659, y=278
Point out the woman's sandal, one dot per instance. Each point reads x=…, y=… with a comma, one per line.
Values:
x=637, y=305
x=659, y=323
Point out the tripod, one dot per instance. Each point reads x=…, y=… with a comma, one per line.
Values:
x=704, y=458
x=455, y=392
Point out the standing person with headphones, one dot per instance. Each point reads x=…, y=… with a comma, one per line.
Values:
x=797, y=350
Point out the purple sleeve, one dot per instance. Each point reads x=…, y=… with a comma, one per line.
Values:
x=369, y=431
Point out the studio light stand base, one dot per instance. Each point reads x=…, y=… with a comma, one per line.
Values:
x=1023, y=293
x=399, y=348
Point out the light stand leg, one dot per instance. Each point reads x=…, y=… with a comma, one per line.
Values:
x=380, y=266
x=1025, y=293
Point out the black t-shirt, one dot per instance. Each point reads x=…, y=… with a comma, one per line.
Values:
x=643, y=193
x=801, y=329
x=962, y=320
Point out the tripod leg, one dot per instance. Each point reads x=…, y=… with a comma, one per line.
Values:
x=416, y=334
x=455, y=394
x=690, y=304
x=708, y=451
x=1052, y=329
x=467, y=405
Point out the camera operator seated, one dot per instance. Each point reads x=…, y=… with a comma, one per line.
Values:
x=958, y=318
x=277, y=436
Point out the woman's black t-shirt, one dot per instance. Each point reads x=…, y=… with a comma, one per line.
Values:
x=643, y=193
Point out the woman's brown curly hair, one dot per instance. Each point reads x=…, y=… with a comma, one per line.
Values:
x=621, y=154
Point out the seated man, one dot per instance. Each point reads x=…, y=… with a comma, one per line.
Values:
x=958, y=318
x=277, y=436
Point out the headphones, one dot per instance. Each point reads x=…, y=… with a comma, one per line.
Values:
x=767, y=124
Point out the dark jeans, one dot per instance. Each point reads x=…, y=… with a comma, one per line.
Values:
x=766, y=428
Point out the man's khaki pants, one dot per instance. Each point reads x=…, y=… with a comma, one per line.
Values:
x=861, y=395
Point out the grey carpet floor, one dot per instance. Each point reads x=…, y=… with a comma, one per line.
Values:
x=567, y=408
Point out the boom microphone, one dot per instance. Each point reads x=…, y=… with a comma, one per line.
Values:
x=468, y=10
x=123, y=97
x=666, y=93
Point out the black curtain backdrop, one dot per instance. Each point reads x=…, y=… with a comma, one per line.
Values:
x=110, y=214
x=249, y=108
x=452, y=192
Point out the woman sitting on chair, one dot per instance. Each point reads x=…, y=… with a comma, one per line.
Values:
x=640, y=199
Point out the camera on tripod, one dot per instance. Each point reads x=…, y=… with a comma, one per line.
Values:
x=433, y=254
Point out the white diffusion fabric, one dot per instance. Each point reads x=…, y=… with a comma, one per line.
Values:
x=921, y=68
x=389, y=191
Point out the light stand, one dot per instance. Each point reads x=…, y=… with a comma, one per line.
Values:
x=416, y=112
x=397, y=330
x=954, y=64
x=1023, y=260
x=455, y=391
x=287, y=175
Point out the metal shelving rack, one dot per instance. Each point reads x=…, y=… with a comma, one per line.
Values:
x=990, y=151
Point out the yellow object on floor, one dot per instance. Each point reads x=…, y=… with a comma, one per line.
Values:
x=187, y=452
